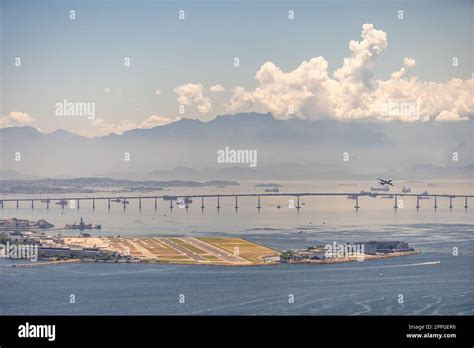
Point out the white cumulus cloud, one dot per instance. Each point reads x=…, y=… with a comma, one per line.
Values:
x=352, y=92
x=192, y=94
x=16, y=118
x=156, y=120
x=109, y=91
x=101, y=127
x=217, y=88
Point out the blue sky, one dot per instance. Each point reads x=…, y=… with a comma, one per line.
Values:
x=77, y=59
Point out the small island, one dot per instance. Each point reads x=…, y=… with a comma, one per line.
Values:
x=348, y=252
x=23, y=239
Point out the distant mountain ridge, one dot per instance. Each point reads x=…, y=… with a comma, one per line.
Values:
x=91, y=184
x=312, y=148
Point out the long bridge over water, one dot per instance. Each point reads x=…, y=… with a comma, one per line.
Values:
x=185, y=200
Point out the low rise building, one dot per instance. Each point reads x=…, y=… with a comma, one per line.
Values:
x=373, y=247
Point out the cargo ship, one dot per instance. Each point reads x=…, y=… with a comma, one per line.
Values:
x=272, y=189
x=368, y=193
x=387, y=196
x=422, y=196
x=380, y=188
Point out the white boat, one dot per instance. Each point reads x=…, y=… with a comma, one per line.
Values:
x=184, y=201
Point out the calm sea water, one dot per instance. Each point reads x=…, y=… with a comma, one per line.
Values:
x=410, y=284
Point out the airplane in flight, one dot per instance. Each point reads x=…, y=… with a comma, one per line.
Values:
x=385, y=182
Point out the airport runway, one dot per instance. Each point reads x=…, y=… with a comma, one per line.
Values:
x=218, y=252
x=182, y=250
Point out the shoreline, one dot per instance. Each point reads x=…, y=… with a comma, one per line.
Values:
x=158, y=262
x=355, y=259
x=45, y=263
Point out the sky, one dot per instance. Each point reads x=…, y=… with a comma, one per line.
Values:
x=345, y=60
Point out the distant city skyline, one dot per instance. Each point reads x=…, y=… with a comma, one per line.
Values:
x=142, y=66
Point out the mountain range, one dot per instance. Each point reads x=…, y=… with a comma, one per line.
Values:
x=287, y=149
